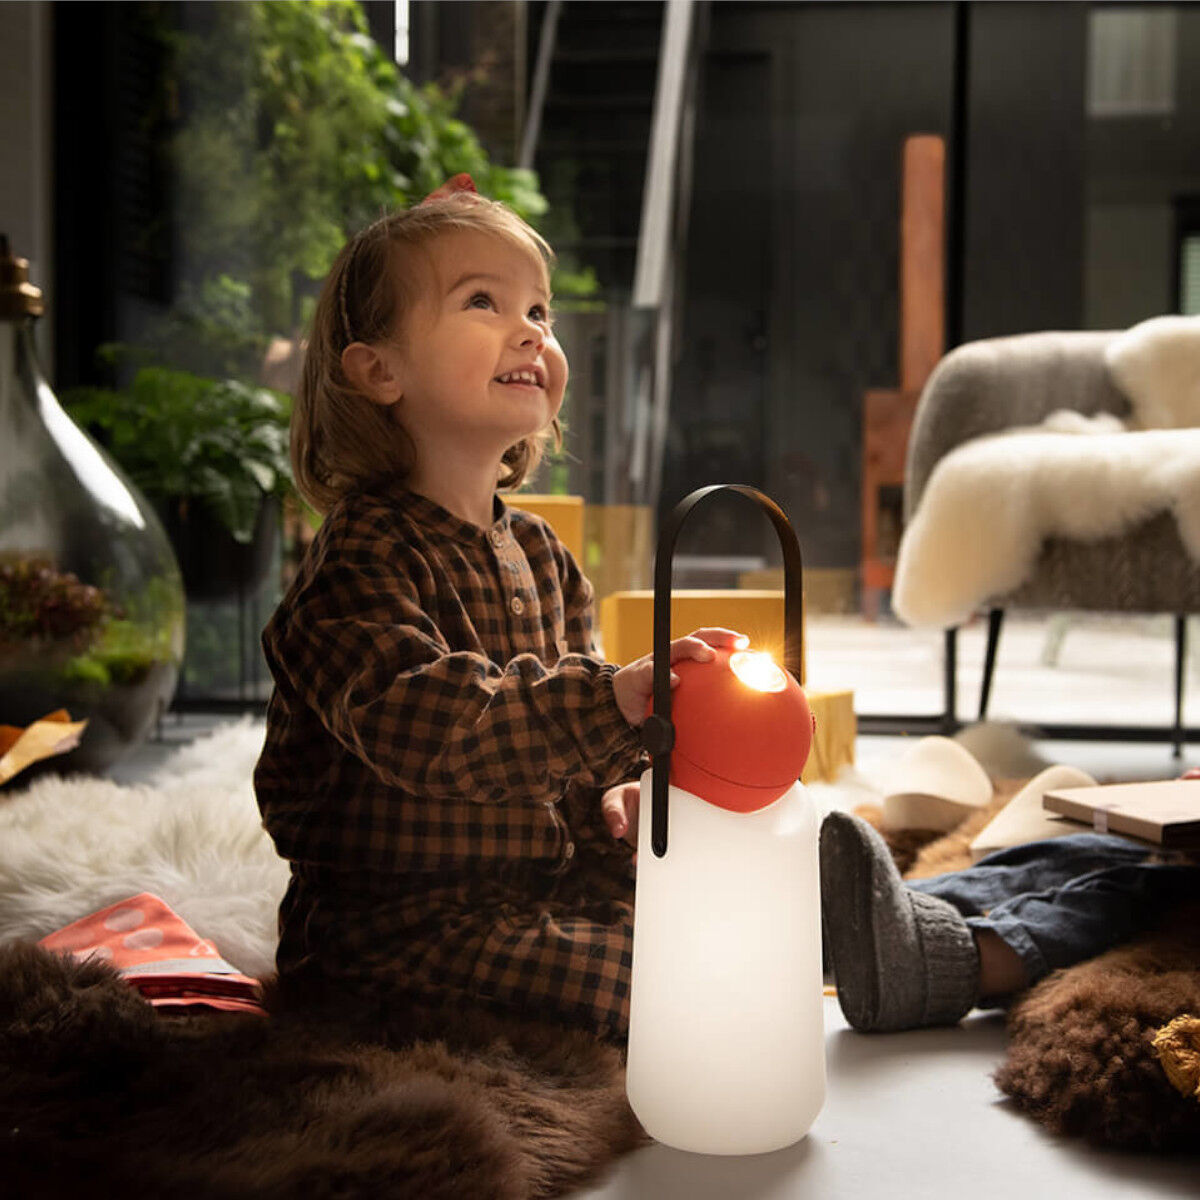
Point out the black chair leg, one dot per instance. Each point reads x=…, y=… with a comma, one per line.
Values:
x=1180, y=660
x=949, y=683
x=995, y=620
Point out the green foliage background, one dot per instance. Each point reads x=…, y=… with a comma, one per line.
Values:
x=180, y=434
x=288, y=128
x=295, y=130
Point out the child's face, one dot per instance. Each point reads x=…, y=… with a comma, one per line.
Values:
x=479, y=364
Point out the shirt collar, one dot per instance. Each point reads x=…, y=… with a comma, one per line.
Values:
x=432, y=517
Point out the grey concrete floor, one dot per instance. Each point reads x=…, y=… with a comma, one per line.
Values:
x=908, y=1116
x=1050, y=669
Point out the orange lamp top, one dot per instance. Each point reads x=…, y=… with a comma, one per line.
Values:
x=743, y=730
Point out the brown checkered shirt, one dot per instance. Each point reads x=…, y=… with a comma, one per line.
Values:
x=437, y=736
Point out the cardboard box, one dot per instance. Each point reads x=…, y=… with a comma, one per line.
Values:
x=627, y=619
x=1164, y=812
x=564, y=514
x=833, y=742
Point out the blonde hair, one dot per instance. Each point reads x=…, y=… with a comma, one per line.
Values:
x=340, y=440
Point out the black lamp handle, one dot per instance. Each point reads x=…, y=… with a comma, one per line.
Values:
x=658, y=732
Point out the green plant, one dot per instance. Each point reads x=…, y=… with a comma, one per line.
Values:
x=294, y=121
x=41, y=604
x=177, y=434
x=211, y=328
x=123, y=653
x=79, y=630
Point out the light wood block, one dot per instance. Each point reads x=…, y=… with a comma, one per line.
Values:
x=627, y=619
x=620, y=546
x=833, y=742
x=922, y=253
x=564, y=514
x=826, y=589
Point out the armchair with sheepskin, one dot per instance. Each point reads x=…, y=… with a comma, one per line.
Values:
x=1056, y=471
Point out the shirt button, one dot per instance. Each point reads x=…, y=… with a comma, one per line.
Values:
x=569, y=850
x=517, y=605
x=497, y=538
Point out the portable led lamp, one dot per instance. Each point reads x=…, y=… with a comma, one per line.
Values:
x=743, y=730
x=726, y=1032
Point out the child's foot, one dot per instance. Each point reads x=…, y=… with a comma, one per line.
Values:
x=901, y=959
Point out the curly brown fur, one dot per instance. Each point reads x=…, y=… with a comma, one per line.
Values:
x=952, y=851
x=1080, y=1059
x=97, y=1090
x=920, y=853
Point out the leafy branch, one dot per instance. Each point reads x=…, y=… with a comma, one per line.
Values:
x=221, y=441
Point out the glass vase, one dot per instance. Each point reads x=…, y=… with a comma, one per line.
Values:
x=91, y=598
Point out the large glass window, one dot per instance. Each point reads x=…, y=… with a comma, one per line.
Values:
x=208, y=159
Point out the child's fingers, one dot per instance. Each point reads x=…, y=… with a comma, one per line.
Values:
x=691, y=647
x=646, y=675
x=615, y=823
x=620, y=808
x=723, y=639
x=613, y=806
x=633, y=794
x=701, y=643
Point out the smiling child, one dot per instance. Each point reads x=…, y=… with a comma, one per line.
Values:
x=442, y=731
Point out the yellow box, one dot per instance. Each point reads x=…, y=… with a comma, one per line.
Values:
x=833, y=743
x=619, y=544
x=826, y=589
x=564, y=514
x=627, y=619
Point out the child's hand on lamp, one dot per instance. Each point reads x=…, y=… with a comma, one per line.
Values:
x=633, y=686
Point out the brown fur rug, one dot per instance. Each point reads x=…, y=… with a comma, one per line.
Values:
x=1080, y=1059
x=101, y=1096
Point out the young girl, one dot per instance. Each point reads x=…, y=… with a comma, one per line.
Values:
x=441, y=727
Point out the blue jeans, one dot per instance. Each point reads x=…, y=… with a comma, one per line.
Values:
x=1059, y=901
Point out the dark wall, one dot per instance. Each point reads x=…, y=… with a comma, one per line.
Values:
x=792, y=269
x=112, y=235
x=793, y=254
x=1153, y=157
x=719, y=421
x=1023, y=265
x=1143, y=175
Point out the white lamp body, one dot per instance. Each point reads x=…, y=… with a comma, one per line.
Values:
x=726, y=1032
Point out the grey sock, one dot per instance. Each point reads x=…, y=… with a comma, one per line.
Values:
x=901, y=959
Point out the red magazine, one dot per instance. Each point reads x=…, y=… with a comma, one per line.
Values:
x=159, y=955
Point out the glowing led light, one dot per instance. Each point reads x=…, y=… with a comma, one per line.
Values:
x=758, y=671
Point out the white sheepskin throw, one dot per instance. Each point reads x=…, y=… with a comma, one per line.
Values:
x=990, y=503
x=1157, y=365
x=191, y=835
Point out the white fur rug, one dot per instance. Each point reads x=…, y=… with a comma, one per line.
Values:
x=190, y=835
x=991, y=502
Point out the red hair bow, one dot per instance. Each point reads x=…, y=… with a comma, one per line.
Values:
x=455, y=184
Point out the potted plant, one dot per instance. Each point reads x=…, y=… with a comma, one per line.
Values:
x=211, y=455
